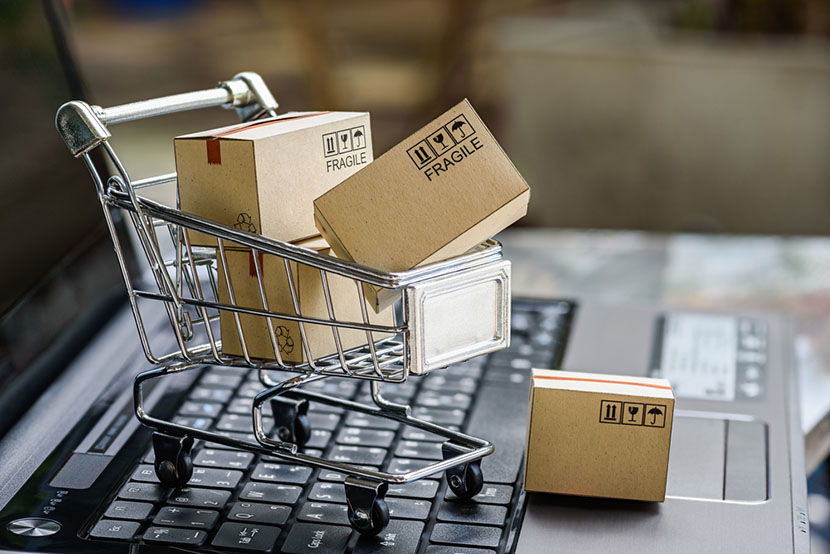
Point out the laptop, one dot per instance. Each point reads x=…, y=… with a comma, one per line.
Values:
x=76, y=470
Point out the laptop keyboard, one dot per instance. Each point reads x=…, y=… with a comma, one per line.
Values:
x=244, y=502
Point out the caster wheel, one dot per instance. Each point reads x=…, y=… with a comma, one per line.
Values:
x=469, y=484
x=302, y=430
x=174, y=466
x=370, y=527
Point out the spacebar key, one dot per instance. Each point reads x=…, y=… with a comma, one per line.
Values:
x=500, y=416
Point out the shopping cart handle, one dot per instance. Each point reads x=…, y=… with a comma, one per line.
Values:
x=83, y=126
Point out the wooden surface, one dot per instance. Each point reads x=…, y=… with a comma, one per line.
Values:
x=787, y=275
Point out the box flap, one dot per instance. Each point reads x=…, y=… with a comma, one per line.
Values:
x=625, y=385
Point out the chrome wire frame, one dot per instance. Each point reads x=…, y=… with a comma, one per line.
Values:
x=187, y=286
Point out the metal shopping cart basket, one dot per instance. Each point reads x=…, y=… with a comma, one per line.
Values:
x=450, y=312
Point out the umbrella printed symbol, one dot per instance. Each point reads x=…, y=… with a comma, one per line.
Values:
x=457, y=126
x=357, y=135
x=654, y=413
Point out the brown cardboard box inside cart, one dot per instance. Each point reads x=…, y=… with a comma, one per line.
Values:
x=437, y=194
x=599, y=435
x=263, y=176
x=309, y=287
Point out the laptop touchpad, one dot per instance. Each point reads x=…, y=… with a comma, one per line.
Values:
x=718, y=459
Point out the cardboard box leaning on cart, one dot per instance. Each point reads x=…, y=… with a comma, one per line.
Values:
x=599, y=435
x=263, y=176
x=436, y=195
x=309, y=288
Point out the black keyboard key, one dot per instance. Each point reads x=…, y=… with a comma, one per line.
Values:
x=361, y=455
x=490, y=494
x=201, y=423
x=171, y=535
x=271, y=493
x=257, y=512
x=466, y=535
x=328, y=492
x=445, y=383
x=441, y=549
x=472, y=512
x=215, y=478
x=237, y=423
x=435, y=399
x=200, y=408
x=340, y=388
x=124, y=509
x=324, y=421
x=400, y=466
x=500, y=414
x=422, y=488
x=408, y=508
x=220, y=378
x=365, y=437
x=319, y=439
x=247, y=537
x=147, y=492
x=208, y=394
x=420, y=450
x=516, y=379
x=243, y=406
x=115, y=530
x=195, y=518
x=311, y=538
x=200, y=498
x=439, y=416
x=226, y=459
x=145, y=473
x=248, y=390
x=281, y=473
x=399, y=537
x=355, y=419
x=324, y=512
x=414, y=434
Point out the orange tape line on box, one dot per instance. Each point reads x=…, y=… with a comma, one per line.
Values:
x=214, y=152
x=609, y=381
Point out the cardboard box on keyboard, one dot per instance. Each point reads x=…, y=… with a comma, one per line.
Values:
x=308, y=286
x=599, y=435
x=262, y=177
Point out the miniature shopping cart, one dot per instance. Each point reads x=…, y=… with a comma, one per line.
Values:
x=450, y=312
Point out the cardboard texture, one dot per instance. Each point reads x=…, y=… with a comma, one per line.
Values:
x=437, y=194
x=309, y=287
x=599, y=435
x=263, y=176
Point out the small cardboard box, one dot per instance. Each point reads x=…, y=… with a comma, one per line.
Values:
x=437, y=194
x=599, y=435
x=309, y=287
x=263, y=176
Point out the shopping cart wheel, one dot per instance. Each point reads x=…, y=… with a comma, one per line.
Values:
x=465, y=480
x=368, y=511
x=174, y=466
x=291, y=419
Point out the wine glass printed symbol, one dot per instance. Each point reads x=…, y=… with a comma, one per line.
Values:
x=344, y=138
x=632, y=410
x=439, y=139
